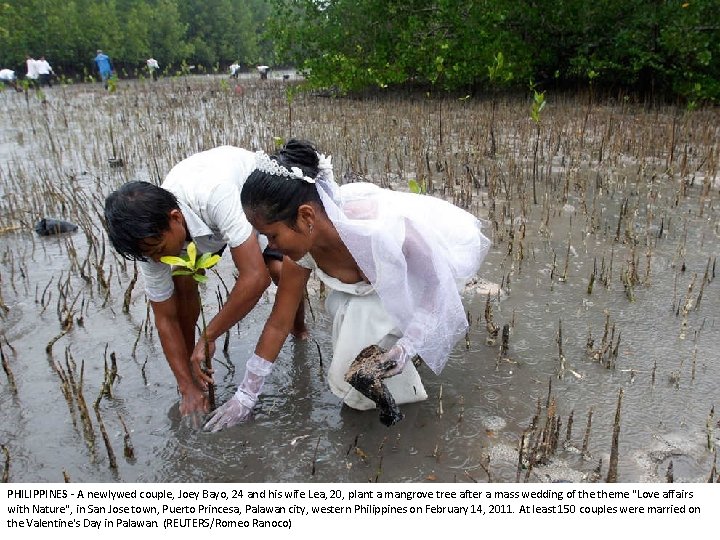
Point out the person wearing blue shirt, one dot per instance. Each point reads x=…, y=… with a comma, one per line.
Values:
x=104, y=67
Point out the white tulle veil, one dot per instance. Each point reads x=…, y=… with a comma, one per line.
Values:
x=416, y=250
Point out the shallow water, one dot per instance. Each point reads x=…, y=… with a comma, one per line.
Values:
x=54, y=163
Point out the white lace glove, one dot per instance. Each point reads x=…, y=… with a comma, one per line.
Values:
x=239, y=407
x=394, y=361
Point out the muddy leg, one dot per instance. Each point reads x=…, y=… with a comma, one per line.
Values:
x=188, y=308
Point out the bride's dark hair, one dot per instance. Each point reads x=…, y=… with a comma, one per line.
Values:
x=275, y=197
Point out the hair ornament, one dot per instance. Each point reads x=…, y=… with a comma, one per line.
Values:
x=326, y=179
x=266, y=164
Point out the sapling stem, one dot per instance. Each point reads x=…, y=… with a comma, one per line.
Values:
x=614, y=449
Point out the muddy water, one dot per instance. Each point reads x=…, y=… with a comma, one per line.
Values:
x=54, y=162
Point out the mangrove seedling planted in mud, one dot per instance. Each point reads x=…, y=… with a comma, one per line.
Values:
x=191, y=265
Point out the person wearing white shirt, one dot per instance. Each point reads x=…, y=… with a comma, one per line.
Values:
x=8, y=78
x=199, y=201
x=32, y=70
x=152, y=66
x=45, y=72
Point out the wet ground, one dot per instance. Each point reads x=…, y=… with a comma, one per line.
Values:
x=626, y=193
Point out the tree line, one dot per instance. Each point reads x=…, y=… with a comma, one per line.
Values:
x=665, y=48
x=209, y=34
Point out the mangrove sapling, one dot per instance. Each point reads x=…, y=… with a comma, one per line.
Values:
x=709, y=429
x=521, y=455
x=498, y=75
x=129, y=290
x=561, y=356
x=492, y=328
x=4, y=310
x=586, y=437
x=563, y=278
x=686, y=307
x=354, y=448
x=195, y=267
x=314, y=458
x=596, y=474
x=467, y=333
x=6, y=469
x=65, y=330
x=137, y=340
x=7, y=344
x=532, y=457
x=552, y=270
x=143, y=372
x=535, y=114
x=381, y=455
x=568, y=429
x=621, y=218
x=485, y=466
x=439, y=409
x=713, y=469
x=706, y=279
x=8, y=371
x=591, y=281
x=77, y=390
x=654, y=372
x=43, y=302
x=109, y=378
x=66, y=391
x=128, y=449
x=436, y=452
x=106, y=439
x=648, y=257
x=505, y=343
x=627, y=284
x=614, y=449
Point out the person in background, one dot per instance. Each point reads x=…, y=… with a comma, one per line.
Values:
x=394, y=261
x=8, y=78
x=199, y=201
x=45, y=72
x=32, y=70
x=104, y=67
x=153, y=67
x=263, y=70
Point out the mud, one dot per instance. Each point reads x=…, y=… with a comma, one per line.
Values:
x=365, y=375
x=627, y=199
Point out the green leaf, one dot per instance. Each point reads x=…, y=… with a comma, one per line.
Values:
x=176, y=261
x=192, y=254
x=200, y=278
x=182, y=273
x=207, y=260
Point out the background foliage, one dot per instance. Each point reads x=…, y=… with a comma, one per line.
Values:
x=659, y=48
x=207, y=33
